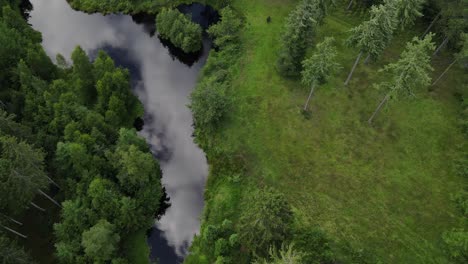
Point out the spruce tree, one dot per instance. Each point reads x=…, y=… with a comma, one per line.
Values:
x=373, y=35
x=319, y=67
x=409, y=73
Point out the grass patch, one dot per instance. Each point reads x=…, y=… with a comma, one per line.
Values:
x=385, y=188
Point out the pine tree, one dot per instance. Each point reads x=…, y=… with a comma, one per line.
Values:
x=460, y=56
x=319, y=67
x=374, y=35
x=298, y=34
x=410, y=72
x=406, y=10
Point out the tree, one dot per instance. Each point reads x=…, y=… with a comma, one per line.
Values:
x=286, y=255
x=266, y=221
x=298, y=33
x=11, y=253
x=373, y=35
x=179, y=29
x=209, y=103
x=453, y=21
x=227, y=30
x=315, y=245
x=115, y=100
x=410, y=72
x=406, y=10
x=324, y=5
x=318, y=68
x=105, y=198
x=21, y=173
x=83, y=76
x=100, y=242
x=462, y=56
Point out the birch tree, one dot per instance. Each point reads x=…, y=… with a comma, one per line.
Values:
x=461, y=56
x=319, y=67
x=373, y=36
x=409, y=73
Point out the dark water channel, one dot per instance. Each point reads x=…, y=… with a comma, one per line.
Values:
x=163, y=78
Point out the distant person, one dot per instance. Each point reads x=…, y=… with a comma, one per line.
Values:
x=268, y=20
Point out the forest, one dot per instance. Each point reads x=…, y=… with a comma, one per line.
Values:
x=335, y=131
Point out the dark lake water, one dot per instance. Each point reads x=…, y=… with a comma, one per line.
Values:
x=162, y=78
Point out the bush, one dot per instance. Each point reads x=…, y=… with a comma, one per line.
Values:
x=209, y=104
x=266, y=222
x=315, y=245
x=180, y=30
x=457, y=244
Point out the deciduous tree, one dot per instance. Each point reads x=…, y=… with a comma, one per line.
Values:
x=100, y=242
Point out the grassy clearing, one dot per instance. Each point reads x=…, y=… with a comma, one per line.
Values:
x=384, y=188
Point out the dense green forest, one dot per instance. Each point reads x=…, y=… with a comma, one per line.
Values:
x=66, y=133
x=335, y=131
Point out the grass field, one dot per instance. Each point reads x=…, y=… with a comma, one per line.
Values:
x=383, y=188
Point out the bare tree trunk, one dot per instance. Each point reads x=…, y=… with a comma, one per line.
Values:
x=310, y=96
x=50, y=198
x=37, y=207
x=441, y=46
x=52, y=181
x=446, y=70
x=366, y=61
x=14, y=232
x=349, y=5
x=431, y=25
x=377, y=110
x=354, y=68
x=11, y=219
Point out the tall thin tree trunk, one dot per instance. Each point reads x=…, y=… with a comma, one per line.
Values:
x=354, y=68
x=349, y=5
x=310, y=96
x=377, y=110
x=366, y=61
x=50, y=198
x=37, y=207
x=441, y=46
x=446, y=70
x=52, y=181
x=431, y=25
x=14, y=232
x=11, y=219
